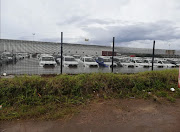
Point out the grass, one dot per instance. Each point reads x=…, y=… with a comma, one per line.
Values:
x=42, y=112
x=55, y=97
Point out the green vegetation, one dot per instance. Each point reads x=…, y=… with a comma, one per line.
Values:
x=27, y=97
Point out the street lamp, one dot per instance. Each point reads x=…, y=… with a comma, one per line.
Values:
x=33, y=35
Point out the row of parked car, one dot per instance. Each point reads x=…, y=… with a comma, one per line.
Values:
x=11, y=58
x=46, y=60
x=147, y=62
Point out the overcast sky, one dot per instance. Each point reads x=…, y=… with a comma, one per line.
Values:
x=133, y=23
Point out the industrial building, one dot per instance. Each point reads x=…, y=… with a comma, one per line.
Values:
x=22, y=46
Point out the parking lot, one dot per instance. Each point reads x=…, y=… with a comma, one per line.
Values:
x=31, y=66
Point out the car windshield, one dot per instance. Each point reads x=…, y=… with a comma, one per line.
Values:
x=69, y=59
x=125, y=61
x=155, y=61
x=57, y=56
x=47, y=59
x=177, y=62
x=89, y=60
x=8, y=55
x=76, y=57
x=138, y=61
x=146, y=61
x=100, y=59
x=166, y=62
x=116, y=59
x=106, y=60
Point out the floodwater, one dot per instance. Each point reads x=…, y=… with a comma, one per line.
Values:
x=31, y=66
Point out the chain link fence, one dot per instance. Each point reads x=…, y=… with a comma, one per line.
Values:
x=36, y=58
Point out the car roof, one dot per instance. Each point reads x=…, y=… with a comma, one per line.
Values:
x=47, y=56
x=68, y=56
x=87, y=57
x=76, y=55
x=105, y=57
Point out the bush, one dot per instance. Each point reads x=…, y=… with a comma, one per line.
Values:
x=36, y=90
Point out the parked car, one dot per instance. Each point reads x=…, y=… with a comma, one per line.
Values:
x=158, y=64
x=47, y=61
x=127, y=63
x=176, y=62
x=69, y=61
x=137, y=62
x=19, y=57
x=41, y=55
x=117, y=61
x=57, y=58
x=146, y=63
x=166, y=64
x=8, y=57
x=1, y=61
x=89, y=62
x=24, y=55
x=105, y=61
x=77, y=57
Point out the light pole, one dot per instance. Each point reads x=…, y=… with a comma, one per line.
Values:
x=33, y=35
x=169, y=51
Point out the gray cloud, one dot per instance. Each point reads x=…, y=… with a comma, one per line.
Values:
x=163, y=30
x=130, y=21
x=83, y=20
x=51, y=40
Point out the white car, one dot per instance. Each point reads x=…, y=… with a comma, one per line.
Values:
x=177, y=63
x=137, y=62
x=89, y=62
x=47, y=61
x=41, y=55
x=77, y=57
x=69, y=61
x=19, y=57
x=166, y=64
x=127, y=63
x=157, y=64
x=146, y=63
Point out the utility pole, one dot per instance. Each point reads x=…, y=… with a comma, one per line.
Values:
x=153, y=55
x=61, y=50
x=112, y=66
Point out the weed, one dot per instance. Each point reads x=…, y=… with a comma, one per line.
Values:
x=162, y=94
x=171, y=99
x=27, y=97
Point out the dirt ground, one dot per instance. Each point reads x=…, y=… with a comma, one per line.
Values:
x=123, y=115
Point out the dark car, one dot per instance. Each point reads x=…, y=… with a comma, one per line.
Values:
x=100, y=61
x=8, y=57
x=117, y=61
x=57, y=58
x=1, y=61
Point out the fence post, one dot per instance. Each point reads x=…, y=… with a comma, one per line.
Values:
x=61, y=50
x=153, y=56
x=112, y=66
